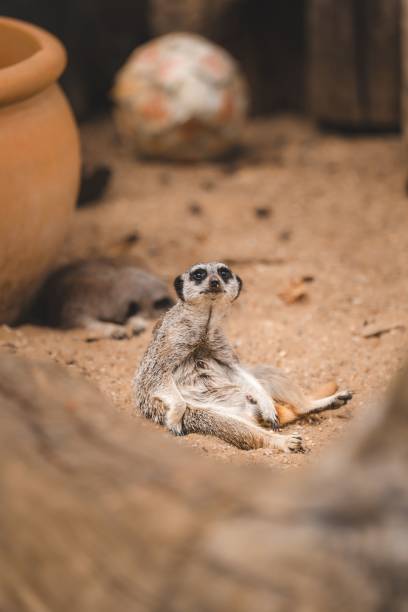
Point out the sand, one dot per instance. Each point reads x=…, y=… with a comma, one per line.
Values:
x=298, y=203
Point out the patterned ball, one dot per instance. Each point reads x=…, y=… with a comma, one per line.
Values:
x=180, y=97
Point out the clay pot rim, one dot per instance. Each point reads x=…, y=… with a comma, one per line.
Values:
x=35, y=73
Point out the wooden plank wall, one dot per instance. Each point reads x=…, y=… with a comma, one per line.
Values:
x=354, y=62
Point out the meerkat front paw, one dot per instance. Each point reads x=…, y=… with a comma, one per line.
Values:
x=135, y=326
x=100, y=330
x=174, y=420
x=268, y=413
x=176, y=428
x=118, y=332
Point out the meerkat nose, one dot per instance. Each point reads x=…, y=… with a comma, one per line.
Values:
x=214, y=283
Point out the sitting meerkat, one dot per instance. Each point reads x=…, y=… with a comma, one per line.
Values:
x=191, y=381
x=111, y=298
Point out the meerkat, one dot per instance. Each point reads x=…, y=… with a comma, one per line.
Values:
x=191, y=381
x=111, y=298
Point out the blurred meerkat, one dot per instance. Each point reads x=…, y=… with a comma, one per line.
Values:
x=111, y=298
x=191, y=381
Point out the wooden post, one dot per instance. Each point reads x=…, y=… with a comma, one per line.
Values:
x=354, y=62
x=404, y=67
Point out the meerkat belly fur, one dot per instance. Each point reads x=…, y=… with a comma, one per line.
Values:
x=191, y=381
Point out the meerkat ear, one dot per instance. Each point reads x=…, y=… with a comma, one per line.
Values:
x=239, y=285
x=178, y=286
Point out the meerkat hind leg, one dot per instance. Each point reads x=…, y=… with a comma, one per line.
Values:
x=295, y=403
x=102, y=329
x=332, y=402
x=288, y=414
x=237, y=431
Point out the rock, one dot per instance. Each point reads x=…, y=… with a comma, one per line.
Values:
x=262, y=212
x=180, y=97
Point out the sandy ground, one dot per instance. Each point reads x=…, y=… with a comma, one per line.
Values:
x=332, y=208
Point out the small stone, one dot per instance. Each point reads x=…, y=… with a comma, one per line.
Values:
x=208, y=185
x=131, y=238
x=263, y=212
x=285, y=235
x=195, y=208
x=165, y=178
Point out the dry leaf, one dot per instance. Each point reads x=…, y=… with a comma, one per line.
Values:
x=375, y=330
x=296, y=290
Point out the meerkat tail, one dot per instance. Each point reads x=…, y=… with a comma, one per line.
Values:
x=228, y=428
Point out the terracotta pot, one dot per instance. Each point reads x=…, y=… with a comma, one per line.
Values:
x=39, y=161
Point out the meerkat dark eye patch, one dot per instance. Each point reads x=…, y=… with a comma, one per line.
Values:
x=163, y=304
x=133, y=309
x=198, y=275
x=178, y=286
x=239, y=281
x=225, y=273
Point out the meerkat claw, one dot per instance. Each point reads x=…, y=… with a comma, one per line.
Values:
x=342, y=397
x=174, y=426
x=268, y=416
x=294, y=444
x=272, y=422
x=136, y=325
x=118, y=333
x=176, y=430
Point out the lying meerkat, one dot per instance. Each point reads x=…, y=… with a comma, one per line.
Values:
x=109, y=297
x=191, y=381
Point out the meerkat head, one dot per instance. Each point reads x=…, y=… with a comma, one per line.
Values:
x=208, y=283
